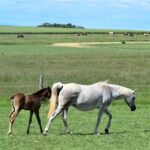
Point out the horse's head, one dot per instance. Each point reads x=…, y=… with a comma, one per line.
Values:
x=130, y=100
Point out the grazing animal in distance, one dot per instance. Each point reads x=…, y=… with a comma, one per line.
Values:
x=28, y=102
x=20, y=36
x=87, y=97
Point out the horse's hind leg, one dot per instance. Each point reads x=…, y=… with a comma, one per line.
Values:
x=64, y=118
x=100, y=113
x=12, y=118
x=30, y=120
x=57, y=112
x=39, y=120
x=107, y=112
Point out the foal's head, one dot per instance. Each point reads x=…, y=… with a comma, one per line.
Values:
x=47, y=92
x=44, y=93
x=130, y=100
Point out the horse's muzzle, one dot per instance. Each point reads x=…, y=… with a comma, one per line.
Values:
x=133, y=108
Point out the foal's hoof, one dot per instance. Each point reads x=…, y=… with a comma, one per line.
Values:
x=106, y=131
x=41, y=131
x=9, y=133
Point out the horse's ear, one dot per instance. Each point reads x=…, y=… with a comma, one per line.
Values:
x=134, y=91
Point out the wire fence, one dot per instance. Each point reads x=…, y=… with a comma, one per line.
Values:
x=6, y=90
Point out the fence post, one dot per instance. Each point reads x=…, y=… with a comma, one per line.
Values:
x=41, y=82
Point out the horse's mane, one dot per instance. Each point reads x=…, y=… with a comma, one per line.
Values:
x=40, y=91
x=104, y=82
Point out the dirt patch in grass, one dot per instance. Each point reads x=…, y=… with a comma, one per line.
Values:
x=75, y=45
x=82, y=44
x=88, y=44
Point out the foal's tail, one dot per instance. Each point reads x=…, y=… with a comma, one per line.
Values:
x=56, y=88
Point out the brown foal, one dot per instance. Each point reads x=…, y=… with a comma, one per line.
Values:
x=28, y=102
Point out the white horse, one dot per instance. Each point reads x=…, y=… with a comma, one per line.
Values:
x=87, y=97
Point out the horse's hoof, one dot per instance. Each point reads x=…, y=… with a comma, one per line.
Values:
x=44, y=133
x=96, y=132
x=106, y=131
x=68, y=132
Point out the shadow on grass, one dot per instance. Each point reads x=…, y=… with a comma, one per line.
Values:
x=92, y=133
x=146, y=131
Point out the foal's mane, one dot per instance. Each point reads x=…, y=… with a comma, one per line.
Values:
x=40, y=91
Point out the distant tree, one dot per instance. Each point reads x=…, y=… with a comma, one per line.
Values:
x=46, y=24
x=57, y=25
x=79, y=27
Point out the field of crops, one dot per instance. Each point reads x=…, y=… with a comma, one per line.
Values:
x=21, y=64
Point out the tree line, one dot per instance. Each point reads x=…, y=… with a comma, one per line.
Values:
x=57, y=25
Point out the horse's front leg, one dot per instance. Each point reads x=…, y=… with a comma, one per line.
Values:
x=39, y=120
x=57, y=112
x=107, y=112
x=30, y=120
x=64, y=118
x=100, y=113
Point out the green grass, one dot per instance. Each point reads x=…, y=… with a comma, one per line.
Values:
x=124, y=64
x=48, y=36
x=128, y=65
x=129, y=130
x=48, y=39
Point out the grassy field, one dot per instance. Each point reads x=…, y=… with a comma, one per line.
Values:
x=124, y=64
x=48, y=39
x=128, y=130
x=18, y=29
x=48, y=36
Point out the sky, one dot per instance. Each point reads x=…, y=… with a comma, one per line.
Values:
x=99, y=14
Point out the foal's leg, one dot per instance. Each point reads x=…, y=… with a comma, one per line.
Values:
x=57, y=112
x=11, y=113
x=39, y=120
x=107, y=112
x=12, y=118
x=100, y=113
x=64, y=118
x=30, y=120
x=13, y=110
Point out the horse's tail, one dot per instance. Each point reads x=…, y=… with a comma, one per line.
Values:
x=56, y=88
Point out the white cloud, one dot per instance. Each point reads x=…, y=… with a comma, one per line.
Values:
x=145, y=3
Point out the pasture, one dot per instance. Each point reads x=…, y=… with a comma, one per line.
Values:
x=48, y=36
x=126, y=64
